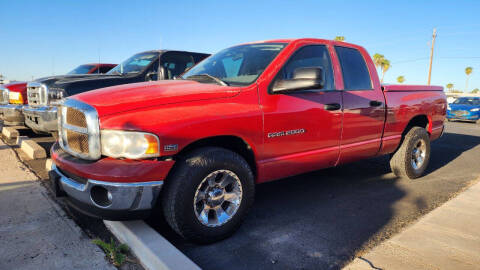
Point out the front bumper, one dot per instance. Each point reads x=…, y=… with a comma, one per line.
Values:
x=12, y=114
x=464, y=116
x=106, y=200
x=41, y=118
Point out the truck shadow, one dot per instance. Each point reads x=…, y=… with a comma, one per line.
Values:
x=323, y=219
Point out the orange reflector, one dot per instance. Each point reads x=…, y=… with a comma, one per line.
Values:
x=153, y=147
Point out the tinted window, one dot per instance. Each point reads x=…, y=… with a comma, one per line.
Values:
x=354, y=69
x=83, y=69
x=175, y=63
x=310, y=56
x=105, y=69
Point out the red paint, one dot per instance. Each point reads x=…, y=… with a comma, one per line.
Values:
x=20, y=87
x=183, y=112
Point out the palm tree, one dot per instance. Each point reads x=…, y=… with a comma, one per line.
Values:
x=339, y=38
x=475, y=91
x=385, y=65
x=400, y=79
x=377, y=59
x=450, y=86
x=468, y=71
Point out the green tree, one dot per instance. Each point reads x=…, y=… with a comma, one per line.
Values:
x=450, y=86
x=401, y=79
x=468, y=71
x=378, y=59
x=475, y=91
x=339, y=38
x=385, y=66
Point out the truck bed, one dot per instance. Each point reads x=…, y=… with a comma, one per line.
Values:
x=405, y=88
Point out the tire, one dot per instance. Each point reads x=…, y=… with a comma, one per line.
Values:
x=404, y=163
x=192, y=176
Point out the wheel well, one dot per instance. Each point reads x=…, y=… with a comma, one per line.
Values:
x=232, y=143
x=417, y=121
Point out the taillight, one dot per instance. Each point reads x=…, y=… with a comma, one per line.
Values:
x=15, y=98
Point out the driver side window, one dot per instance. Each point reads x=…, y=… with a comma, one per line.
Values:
x=175, y=63
x=310, y=56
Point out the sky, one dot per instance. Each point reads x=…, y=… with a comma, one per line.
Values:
x=40, y=38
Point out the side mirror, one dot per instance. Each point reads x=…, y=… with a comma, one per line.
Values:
x=151, y=76
x=303, y=79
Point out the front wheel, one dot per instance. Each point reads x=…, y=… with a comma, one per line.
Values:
x=412, y=157
x=208, y=195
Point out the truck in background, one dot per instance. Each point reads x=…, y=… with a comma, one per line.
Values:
x=13, y=96
x=44, y=95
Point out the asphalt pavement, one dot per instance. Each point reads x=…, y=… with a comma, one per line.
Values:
x=324, y=219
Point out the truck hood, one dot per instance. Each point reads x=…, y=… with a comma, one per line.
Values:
x=462, y=107
x=134, y=96
x=58, y=81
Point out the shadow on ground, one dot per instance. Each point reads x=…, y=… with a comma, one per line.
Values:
x=321, y=220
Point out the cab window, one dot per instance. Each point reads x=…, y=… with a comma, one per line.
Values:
x=354, y=69
x=310, y=56
x=175, y=63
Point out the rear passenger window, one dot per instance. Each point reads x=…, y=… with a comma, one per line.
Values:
x=310, y=56
x=354, y=69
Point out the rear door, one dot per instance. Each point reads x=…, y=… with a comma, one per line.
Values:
x=363, y=107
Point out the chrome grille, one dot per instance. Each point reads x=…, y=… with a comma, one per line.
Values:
x=37, y=94
x=79, y=130
x=3, y=95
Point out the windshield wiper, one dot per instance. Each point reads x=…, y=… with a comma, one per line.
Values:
x=213, y=78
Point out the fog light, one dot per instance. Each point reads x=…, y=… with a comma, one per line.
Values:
x=101, y=196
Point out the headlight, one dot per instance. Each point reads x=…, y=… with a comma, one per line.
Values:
x=129, y=144
x=475, y=110
x=55, y=96
x=15, y=98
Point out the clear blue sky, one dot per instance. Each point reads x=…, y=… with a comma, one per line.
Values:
x=39, y=38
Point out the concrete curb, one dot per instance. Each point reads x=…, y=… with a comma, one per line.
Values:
x=10, y=132
x=32, y=149
x=152, y=250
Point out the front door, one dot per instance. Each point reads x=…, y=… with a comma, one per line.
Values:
x=302, y=129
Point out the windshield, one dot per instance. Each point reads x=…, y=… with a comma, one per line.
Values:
x=134, y=64
x=83, y=69
x=467, y=101
x=240, y=65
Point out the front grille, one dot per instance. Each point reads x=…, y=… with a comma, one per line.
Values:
x=37, y=94
x=76, y=118
x=460, y=113
x=79, y=130
x=3, y=95
x=78, y=142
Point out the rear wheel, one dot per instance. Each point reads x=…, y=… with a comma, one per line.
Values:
x=411, y=159
x=208, y=195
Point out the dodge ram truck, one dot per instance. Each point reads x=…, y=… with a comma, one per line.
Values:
x=192, y=149
x=44, y=95
x=13, y=96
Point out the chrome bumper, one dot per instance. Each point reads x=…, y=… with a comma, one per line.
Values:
x=41, y=118
x=12, y=114
x=128, y=197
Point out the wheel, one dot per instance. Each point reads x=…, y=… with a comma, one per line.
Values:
x=208, y=194
x=411, y=159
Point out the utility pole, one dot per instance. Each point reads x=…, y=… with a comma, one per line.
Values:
x=431, y=55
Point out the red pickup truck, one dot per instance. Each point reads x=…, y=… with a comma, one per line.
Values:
x=195, y=147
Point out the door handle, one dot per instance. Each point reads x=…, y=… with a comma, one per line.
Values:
x=332, y=107
x=375, y=103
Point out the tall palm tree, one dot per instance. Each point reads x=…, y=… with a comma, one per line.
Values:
x=468, y=71
x=339, y=38
x=450, y=87
x=401, y=79
x=378, y=59
x=385, y=65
